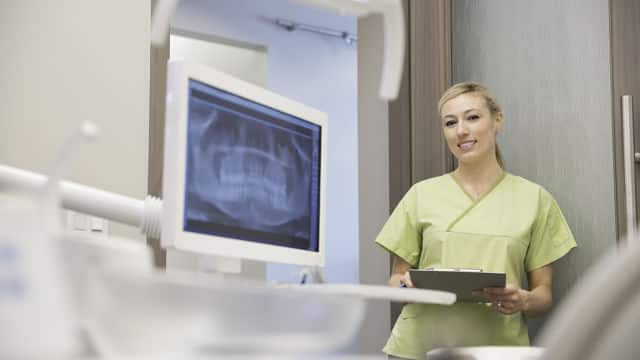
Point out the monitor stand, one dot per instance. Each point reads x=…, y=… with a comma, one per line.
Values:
x=228, y=268
x=312, y=275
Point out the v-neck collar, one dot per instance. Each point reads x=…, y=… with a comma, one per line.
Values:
x=473, y=202
x=504, y=175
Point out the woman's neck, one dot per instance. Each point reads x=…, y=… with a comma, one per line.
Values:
x=479, y=177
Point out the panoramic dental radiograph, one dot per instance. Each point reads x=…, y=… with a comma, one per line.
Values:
x=243, y=172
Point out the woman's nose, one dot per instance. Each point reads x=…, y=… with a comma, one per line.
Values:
x=462, y=129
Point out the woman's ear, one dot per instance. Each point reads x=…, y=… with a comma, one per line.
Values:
x=499, y=122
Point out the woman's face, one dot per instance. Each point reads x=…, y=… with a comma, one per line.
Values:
x=469, y=127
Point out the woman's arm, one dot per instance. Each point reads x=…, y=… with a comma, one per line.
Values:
x=539, y=298
x=400, y=273
x=532, y=303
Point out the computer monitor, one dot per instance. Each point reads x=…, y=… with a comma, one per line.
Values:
x=244, y=170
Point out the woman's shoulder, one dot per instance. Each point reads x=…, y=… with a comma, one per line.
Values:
x=432, y=188
x=520, y=181
x=525, y=185
x=433, y=183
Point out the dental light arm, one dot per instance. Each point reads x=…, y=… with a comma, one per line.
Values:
x=143, y=214
x=394, y=35
x=394, y=32
x=161, y=21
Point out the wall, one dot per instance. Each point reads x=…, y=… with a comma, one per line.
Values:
x=244, y=61
x=548, y=64
x=373, y=182
x=316, y=70
x=68, y=61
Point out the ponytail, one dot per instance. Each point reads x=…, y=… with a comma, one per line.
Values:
x=499, y=156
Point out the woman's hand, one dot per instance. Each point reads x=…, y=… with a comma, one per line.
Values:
x=400, y=273
x=405, y=280
x=532, y=303
x=509, y=300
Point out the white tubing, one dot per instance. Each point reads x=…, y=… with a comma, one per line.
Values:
x=89, y=200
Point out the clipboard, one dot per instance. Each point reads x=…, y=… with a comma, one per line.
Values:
x=462, y=282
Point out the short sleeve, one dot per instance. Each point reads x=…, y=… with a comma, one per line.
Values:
x=400, y=235
x=551, y=237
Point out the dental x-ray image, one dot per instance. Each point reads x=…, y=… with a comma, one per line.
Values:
x=252, y=171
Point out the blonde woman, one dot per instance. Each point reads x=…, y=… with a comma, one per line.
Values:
x=478, y=216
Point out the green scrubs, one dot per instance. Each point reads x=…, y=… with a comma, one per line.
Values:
x=515, y=227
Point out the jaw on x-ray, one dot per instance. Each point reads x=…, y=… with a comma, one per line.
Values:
x=243, y=172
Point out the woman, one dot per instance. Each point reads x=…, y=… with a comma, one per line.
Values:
x=479, y=217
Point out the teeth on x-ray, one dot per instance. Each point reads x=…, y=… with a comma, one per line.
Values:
x=255, y=175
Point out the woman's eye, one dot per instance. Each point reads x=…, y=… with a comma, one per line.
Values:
x=449, y=123
x=473, y=117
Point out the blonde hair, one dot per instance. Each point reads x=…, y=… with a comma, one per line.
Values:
x=471, y=87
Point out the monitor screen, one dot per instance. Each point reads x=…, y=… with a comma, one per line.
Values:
x=252, y=172
x=244, y=171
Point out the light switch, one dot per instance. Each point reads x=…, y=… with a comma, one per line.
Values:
x=76, y=221
x=97, y=224
x=80, y=221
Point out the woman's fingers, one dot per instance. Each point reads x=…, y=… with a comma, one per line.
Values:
x=501, y=291
x=511, y=297
x=504, y=300
x=406, y=280
x=504, y=308
x=502, y=294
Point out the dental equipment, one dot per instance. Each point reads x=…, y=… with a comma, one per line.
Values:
x=147, y=214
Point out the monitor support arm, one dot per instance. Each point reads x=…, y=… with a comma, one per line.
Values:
x=145, y=214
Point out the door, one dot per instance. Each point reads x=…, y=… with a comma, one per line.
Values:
x=625, y=57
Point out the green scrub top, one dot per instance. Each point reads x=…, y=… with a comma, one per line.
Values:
x=515, y=227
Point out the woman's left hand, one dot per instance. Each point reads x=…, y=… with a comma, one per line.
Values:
x=509, y=300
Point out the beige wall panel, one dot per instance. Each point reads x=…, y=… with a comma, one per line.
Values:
x=64, y=62
x=373, y=179
x=547, y=62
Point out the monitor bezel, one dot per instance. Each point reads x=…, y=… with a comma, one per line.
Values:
x=175, y=143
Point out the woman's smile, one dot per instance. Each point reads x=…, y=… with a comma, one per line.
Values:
x=467, y=145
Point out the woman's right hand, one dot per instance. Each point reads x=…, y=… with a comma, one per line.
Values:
x=405, y=280
x=400, y=273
